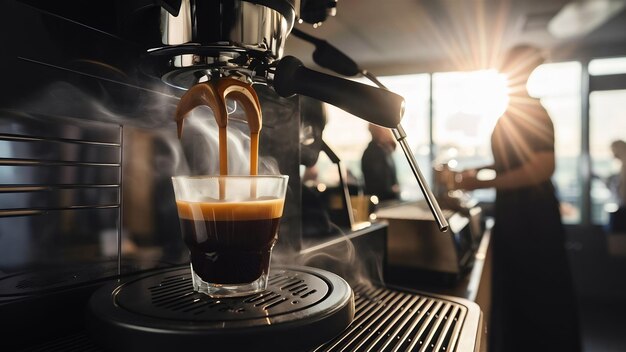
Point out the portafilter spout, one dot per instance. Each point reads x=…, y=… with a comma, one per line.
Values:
x=378, y=106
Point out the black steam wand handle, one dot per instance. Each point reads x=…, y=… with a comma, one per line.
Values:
x=375, y=105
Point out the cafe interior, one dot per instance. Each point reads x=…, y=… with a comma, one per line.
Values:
x=452, y=175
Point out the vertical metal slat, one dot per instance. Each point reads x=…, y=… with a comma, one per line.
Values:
x=457, y=330
x=416, y=321
x=420, y=332
x=406, y=311
x=446, y=328
x=409, y=312
x=381, y=319
x=369, y=312
x=433, y=330
x=359, y=329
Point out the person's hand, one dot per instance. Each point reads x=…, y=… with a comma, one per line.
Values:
x=467, y=180
x=383, y=137
x=446, y=177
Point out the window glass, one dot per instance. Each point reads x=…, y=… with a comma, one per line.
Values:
x=466, y=106
x=347, y=136
x=558, y=87
x=616, y=65
x=607, y=124
x=416, y=90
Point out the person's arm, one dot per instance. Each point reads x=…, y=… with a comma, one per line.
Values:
x=539, y=168
x=485, y=167
x=472, y=172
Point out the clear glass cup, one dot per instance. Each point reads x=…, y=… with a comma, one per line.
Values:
x=230, y=225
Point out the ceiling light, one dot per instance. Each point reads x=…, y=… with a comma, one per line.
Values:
x=581, y=17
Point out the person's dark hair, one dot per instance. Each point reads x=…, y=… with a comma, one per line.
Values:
x=521, y=59
x=619, y=149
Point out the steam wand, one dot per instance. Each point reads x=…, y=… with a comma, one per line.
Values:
x=332, y=58
x=400, y=136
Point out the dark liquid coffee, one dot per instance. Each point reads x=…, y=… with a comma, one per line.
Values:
x=230, y=251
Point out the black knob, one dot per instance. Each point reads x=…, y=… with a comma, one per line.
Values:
x=317, y=11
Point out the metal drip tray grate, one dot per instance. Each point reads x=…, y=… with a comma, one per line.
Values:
x=172, y=297
x=389, y=320
x=157, y=311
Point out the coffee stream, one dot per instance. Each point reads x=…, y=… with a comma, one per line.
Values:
x=230, y=242
x=213, y=94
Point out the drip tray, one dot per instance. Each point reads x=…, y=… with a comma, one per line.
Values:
x=302, y=307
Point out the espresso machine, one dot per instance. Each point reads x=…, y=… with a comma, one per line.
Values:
x=91, y=252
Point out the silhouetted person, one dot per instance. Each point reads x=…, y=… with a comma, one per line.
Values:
x=533, y=302
x=617, y=185
x=378, y=166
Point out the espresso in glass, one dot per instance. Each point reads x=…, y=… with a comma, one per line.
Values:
x=225, y=250
x=230, y=238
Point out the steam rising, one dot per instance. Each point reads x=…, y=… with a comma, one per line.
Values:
x=357, y=265
x=201, y=145
x=197, y=152
x=150, y=117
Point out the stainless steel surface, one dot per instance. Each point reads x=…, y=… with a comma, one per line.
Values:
x=229, y=39
x=393, y=320
x=60, y=193
x=250, y=26
x=386, y=319
x=414, y=242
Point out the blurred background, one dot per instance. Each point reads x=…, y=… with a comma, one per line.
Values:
x=440, y=56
